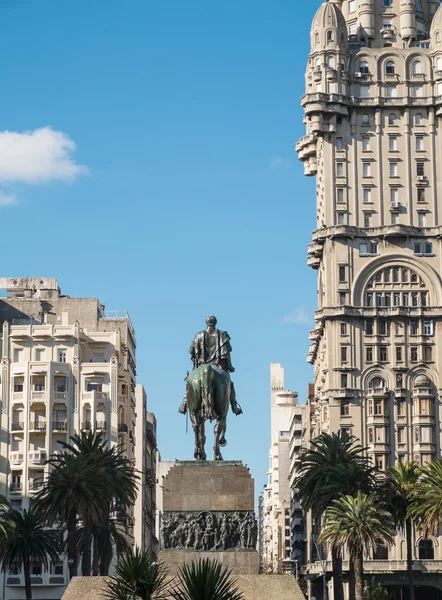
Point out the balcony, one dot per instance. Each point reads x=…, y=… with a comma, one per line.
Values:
x=59, y=395
x=100, y=425
x=37, y=426
x=17, y=426
x=36, y=580
x=37, y=457
x=59, y=426
x=17, y=396
x=16, y=487
x=86, y=426
x=35, y=484
x=16, y=458
x=122, y=428
x=38, y=395
x=90, y=396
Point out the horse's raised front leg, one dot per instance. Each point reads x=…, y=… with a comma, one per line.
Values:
x=220, y=427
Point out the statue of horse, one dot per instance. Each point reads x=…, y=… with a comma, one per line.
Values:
x=208, y=398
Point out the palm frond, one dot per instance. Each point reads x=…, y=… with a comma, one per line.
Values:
x=206, y=580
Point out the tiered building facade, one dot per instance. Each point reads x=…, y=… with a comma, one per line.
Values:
x=67, y=366
x=373, y=110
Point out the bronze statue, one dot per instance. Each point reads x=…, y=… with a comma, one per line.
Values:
x=209, y=389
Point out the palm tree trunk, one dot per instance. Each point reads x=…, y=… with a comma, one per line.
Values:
x=71, y=527
x=409, y=536
x=86, y=554
x=357, y=566
x=338, y=593
x=95, y=556
x=27, y=573
x=351, y=579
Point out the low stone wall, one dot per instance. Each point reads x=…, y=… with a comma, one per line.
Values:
x=254, y=587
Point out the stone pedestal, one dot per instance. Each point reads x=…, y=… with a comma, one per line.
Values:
x=208, y=512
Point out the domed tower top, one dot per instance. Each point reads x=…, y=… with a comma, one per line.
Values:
x=436, y=30
x=329, y=29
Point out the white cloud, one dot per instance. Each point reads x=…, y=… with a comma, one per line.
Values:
x=279, y=162
x=36, y=157
x=297, y=316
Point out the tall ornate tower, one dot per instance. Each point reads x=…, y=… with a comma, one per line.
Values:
x=373, y=109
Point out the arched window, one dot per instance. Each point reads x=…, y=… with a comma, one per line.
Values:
x=391, y=119
x=418, y=119
x=382, y=289
x=342, y=37
x=316, y=39
x=426, y=550
x=390, y=68
x=363, y=67
x=439, y=63
x=417, y=67
x=329, y=36
x=380, y=552
x=365, y=119
x=330, y=62
x=376, y=383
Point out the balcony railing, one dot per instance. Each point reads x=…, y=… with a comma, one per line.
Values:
x=16, y=458
x=35, y=484
x=86, y=426
x=38, y=395
x=100, y=425
x=16, y=487
x=59, y=395
x=38, y=457
x=17, y=426
x=59, y=426
x=37, y=426
x=122, y=428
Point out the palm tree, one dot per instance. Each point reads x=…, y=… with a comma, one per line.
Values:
x=138, y=576
x=121, y=478
x=205, y=580
x=426, y=505
x=75, y=489
x=29, y=541
x=402, y=480
x=332, y=467
x=359, y=523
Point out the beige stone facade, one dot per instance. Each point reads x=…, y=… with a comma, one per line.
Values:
x=67, y=366
x=373, y=109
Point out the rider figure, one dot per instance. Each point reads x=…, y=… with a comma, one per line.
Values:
x=212, y=347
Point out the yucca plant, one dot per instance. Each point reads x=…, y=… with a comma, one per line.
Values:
x=138, y=576
x=205, y=580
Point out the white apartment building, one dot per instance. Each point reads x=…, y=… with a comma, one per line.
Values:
x=67, y=365
x=275, y=526
x=372, y=110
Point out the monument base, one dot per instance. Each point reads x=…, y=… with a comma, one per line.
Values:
x=208, y=512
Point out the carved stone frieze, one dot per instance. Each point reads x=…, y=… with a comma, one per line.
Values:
x=209, y=531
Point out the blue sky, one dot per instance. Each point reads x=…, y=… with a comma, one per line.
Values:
x=159, y=174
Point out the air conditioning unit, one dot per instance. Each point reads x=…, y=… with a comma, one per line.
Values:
x=394, y=204
x=358, y=75
x=421, y=177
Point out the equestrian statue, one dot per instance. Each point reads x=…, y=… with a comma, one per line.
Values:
x=209, y=388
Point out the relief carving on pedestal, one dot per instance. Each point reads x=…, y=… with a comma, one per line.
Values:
x=209, y=531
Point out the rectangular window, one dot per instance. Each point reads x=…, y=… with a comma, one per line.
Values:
x=367, y=217
x=352, y=6
x=378, y=407
x=342, y=298
x=369, y=354
x=419, y=143
x=380, y=459
x=340, y=195
x=423, y=298
x=339, y=169
x=428, y=328
x=417, y=91
x=370, y=435
x=344, y=380
x=421, y=194
x=397, y=299
x=421, y=219
x=413, y=353
x=420, y=169
x=398, y=353
x=342, y=274
x=345, y=407
x=339, y=143
x=383, y=327
x=343, y=328
x=380, y=435
x=405, y=299
x=379, y=299
x=394, y=196
x=62, y=356
x=369, y=299
x=369, y=327
x=428, y=353
x=366, y=169
x=414, y=327
x=391, y=91
x=340, y=218
x=399, y=380
x=401, y=435
x=367, y=195
x=39, y=354
x=18, y=354
x=418, y=248
x=428, y=248
x=93, y=387
x=392, y=144
x=393, y=169
x=414, y=299
x=394, y=218
x=98, y=357
x=364, y=92
x=365, y=143
x=383, y=354
x=344, y=352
